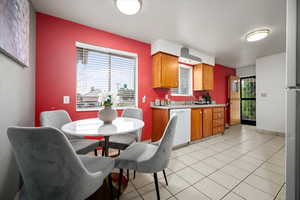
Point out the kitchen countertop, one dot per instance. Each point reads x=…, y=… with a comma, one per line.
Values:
x=188, y=106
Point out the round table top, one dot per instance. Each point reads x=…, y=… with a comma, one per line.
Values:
x=96, y=127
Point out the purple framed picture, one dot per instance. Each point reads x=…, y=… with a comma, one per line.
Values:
x=14, y=30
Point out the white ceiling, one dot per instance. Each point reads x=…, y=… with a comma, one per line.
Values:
x=212, y=26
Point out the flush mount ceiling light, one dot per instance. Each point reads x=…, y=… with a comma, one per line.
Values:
x=129, y=7
x=258, y=34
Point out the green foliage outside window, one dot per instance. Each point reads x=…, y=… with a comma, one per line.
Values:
x=248, y=95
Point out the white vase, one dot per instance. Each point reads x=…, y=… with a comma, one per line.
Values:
x=107, y=114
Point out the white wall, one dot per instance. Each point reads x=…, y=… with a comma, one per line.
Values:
x=246, y=71
x=270, y=94
x=17, y=97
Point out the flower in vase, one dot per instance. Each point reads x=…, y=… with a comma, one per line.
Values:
x=107, y=99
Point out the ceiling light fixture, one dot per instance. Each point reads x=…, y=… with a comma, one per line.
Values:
x=129, y=7
x=258, y=34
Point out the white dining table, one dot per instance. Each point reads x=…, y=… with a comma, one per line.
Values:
x=95, y=127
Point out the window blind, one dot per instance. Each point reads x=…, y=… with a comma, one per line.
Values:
x=185, y=82
x=99, y=72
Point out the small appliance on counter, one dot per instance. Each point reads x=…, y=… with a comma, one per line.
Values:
x=200, y=102
x=206, y=98
x=162, y=102
x=157, y=102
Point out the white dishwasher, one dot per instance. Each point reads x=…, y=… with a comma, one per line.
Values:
x=183, y=129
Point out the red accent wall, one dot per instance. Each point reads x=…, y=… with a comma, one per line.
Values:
x=56, y=67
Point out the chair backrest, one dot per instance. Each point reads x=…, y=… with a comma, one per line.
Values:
x=49, y=166
x=135, y=113
x=160, y=159
x=56, y=119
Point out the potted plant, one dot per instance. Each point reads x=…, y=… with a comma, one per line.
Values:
x=107, y=114
x=207, y=98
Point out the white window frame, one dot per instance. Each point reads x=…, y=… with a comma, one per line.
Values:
x=190, y=81
x=117, y=52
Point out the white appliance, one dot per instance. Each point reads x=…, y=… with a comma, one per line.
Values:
x=293, y=101
x=183, y=128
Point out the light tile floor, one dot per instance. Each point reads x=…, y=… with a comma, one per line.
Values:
x=242, y=164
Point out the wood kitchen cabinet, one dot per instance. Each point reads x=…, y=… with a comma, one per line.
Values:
x=203, y=77
x=218, y=120
x=196, y=124
x=160, y=118
x=165, y=70
x=207, y=122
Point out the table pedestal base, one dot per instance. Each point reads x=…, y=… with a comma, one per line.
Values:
x=103, y=193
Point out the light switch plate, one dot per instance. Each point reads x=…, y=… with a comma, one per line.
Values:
x=66, y=99
x=264, y=94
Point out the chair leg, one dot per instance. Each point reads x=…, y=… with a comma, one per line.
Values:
x=128, y=175
x=134, y=174
x=110, y=186
x=120, y=183
x=156, y=186
x=95, y=151
x=103, y=152
x=165, y=177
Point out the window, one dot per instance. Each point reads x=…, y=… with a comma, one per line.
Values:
x=185, y=82
x=102, y=70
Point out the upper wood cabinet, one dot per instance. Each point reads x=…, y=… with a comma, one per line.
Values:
x=203, y=77
x=164, y=71
x=196, y=124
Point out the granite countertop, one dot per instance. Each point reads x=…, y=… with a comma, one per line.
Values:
x=187, y=106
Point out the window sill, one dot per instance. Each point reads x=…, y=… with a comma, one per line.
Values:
x=181, y=95
x=97, y=109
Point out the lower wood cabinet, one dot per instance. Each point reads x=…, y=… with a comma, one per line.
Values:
x=207, y=122
x=160, y=118
x=218, y=120
x=196, y=124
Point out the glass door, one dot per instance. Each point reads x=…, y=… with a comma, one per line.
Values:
x=248, y=100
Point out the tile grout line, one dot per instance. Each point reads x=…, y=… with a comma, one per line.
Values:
x=237, y=167
x=216, y=152
x=207, y=176
x=267, y=141
x=251, y=174
x=281, y=188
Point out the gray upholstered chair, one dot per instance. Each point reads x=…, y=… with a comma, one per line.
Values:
x=121, y=142
x=56, y=119
x=148, y=158
x=50, y=167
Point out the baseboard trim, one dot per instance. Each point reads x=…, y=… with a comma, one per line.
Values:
x=206, y=138
x=146, y=141
x=268, y=132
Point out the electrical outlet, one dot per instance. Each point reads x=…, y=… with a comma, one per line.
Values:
x=66, y=99
x=144, y=99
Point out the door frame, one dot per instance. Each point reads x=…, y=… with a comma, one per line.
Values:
x=234, y=100
x=248, y=122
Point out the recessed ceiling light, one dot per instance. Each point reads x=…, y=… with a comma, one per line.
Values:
x=257, y=35
x=129, y=7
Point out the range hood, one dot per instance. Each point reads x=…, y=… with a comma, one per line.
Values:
x=187, y=57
